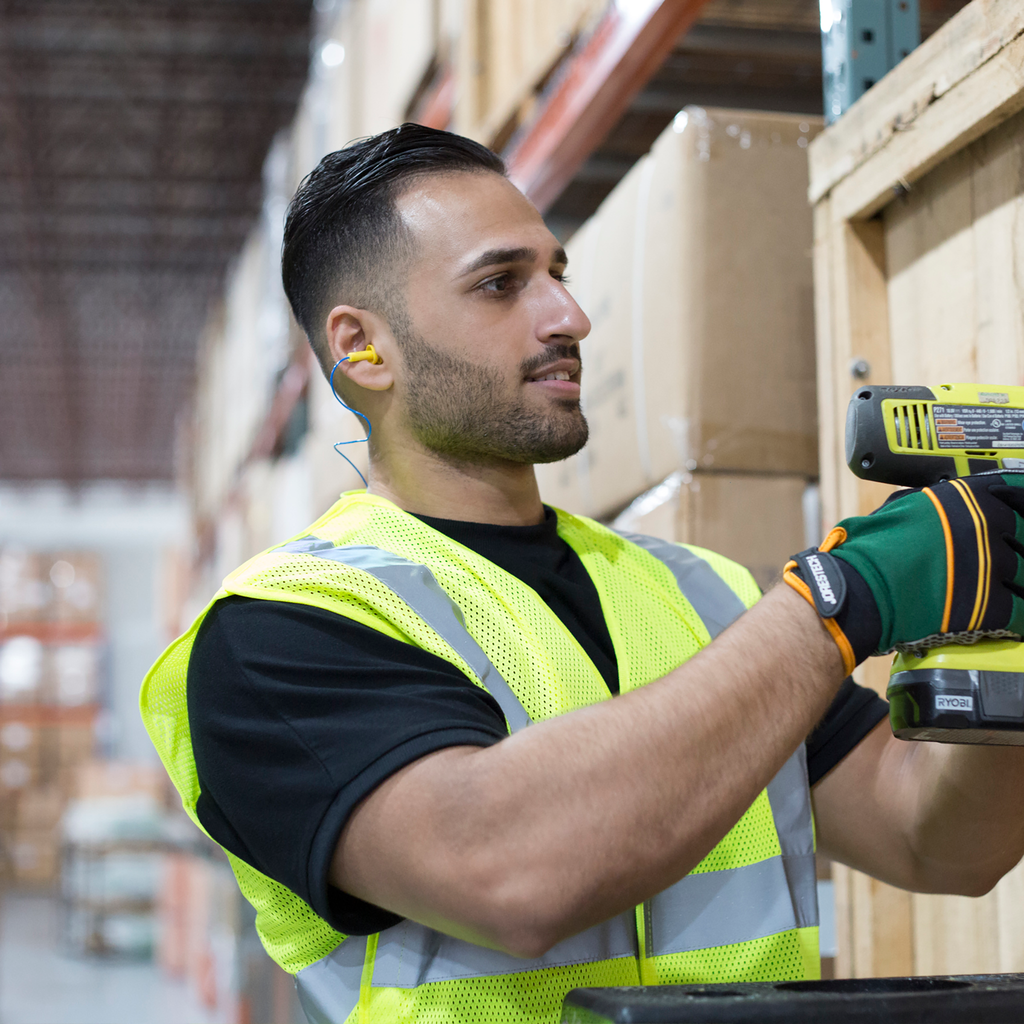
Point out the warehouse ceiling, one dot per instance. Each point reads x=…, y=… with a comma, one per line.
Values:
x=132, y=138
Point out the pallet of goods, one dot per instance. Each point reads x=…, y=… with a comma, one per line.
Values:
x=918, y=235
x=51, y=659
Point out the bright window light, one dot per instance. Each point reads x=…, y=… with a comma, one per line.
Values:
x=332, y=54
x=831, y=13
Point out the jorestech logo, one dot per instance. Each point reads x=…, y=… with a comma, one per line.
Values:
x=821, y=579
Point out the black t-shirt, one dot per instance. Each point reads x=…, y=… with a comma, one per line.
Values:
x=297, y=713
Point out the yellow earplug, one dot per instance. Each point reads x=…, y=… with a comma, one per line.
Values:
x=367, y=353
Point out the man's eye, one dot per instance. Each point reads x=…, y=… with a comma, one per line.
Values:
x=500, y=285
x=561, y=276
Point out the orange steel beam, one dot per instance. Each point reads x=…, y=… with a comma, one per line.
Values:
x=290, y=389
x=627, y=47
x=435, y=108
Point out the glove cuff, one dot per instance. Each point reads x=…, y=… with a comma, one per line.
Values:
x=840, y=596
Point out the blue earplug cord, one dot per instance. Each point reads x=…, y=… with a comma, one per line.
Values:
x=358, y=440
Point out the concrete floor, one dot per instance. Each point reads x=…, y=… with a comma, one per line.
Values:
x=40, y=984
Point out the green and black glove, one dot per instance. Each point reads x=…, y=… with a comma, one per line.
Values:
x=940, y=564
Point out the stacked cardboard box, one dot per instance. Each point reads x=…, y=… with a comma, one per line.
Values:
x=696, y=275
x=200, y=922
x=50, y=661
x=714, y=510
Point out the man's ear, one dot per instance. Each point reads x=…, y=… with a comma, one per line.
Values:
x=350, y=330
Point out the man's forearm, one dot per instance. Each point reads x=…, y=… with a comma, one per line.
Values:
x=580, y=817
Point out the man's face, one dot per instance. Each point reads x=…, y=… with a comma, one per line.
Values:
x=490, y=354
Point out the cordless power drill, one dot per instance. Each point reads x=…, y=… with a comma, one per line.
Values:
x=916, y=437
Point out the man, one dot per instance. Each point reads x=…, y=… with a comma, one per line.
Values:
x=338, y=719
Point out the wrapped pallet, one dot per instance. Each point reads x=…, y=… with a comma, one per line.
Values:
x=918, y=238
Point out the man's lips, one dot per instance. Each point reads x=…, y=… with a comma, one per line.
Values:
x=562, y=376
x=564, y=388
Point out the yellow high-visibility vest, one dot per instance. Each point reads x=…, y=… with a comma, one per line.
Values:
x=747, y=912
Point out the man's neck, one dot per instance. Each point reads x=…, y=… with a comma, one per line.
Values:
x=501, y=493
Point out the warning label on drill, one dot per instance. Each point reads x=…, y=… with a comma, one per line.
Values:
x=978, y=427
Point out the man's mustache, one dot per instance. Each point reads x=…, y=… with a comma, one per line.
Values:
x=552, y=355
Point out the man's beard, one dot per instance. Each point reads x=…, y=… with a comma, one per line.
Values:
x=459, y=410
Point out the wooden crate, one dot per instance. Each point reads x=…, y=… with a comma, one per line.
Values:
x=919, y=272
x=506, y=50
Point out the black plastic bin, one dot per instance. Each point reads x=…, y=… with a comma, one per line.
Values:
x=956, y=999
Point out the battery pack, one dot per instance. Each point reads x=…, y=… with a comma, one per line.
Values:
x=958, y=705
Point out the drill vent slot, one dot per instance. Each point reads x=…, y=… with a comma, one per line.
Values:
x=914, y=427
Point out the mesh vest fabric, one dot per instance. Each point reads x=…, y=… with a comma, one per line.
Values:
x=654, y=629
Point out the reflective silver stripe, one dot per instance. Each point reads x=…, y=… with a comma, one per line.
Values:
x=329, y=989
x=410, y=954
x=790, y=797
x=416, y=586
x=720, y=908
x=788, y=793
x=712, y=598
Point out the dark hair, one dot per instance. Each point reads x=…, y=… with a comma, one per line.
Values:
x=342, y=236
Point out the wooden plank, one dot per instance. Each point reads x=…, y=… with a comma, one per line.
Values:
x=975, y=106
x=829, y=438
x=471, y=102
x=953, y=249
x=626, y=48
x=930, y=249
x=892, y=107
x=998, y=200
x=842, y=879
x=955, y=934
x=860, y=332
x=1010, y=923
x=512, y=97
x=881, y=929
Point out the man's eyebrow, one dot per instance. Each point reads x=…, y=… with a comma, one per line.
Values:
x=520, y=254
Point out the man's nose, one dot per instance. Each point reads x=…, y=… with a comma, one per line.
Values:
x=565, y=319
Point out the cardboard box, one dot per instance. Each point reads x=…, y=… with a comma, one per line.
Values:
x=22, y=667
x=77, y=582
x=34, y=856
x=70, y=675
x=696, y=275
x=20, y=752
x=24, y=589
x=757, y=521
x=120, y=778
x=172, y=915
x=19, y=739
x=40, y=807
x=17, y=773
x=65, y=748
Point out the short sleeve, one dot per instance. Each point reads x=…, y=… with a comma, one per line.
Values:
x=296, y=715
x=853, y=713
